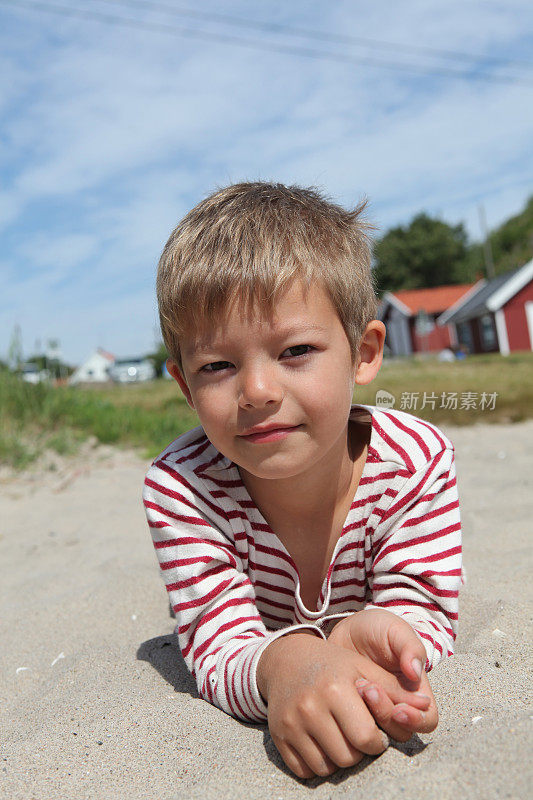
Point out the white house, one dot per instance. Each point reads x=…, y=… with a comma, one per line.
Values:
x=94, y=369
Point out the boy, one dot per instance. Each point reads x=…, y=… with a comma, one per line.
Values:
x=310, y=548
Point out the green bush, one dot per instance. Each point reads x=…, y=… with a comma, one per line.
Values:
x=35, y=417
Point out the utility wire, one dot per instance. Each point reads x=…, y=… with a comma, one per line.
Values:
x=307, y=52
x=322, y=36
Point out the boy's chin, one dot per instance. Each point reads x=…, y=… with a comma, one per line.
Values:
x=272, y=472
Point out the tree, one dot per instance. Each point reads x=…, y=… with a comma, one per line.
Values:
x=427, y=252
x=55, y=366
x=512, y=242
x=158, y=358
x=14, y=353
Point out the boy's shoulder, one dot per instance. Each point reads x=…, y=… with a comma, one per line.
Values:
x=401, y=438
x=192, y=452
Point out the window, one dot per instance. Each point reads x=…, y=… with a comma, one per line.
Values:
x=488, y=334
x=464, y=336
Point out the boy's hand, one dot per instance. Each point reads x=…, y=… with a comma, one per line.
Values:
x=316, y=717
x=390, y=656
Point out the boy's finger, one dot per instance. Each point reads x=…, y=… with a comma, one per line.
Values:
x=339, y=750
x=423, y=699
x=382, y=708
x=414, y=720
x=419, y=700
x=359, y=729
x=294, y=761
x=409, y=651
x=320, y=761
x=392, y=685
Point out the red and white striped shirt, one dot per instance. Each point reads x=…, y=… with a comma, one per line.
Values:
x=235, y=588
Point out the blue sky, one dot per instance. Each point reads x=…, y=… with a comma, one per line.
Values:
x=110, y=133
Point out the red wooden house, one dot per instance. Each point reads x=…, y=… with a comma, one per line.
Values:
x=497, y=316
x=410, y=316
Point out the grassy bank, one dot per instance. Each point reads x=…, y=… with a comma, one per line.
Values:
x=510, y=377
x=35, y=418
x=149, y=416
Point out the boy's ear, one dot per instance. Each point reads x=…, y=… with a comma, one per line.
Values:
x=176, y=373
x=370, y=352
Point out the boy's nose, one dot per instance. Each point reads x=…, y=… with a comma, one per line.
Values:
x=259, y=387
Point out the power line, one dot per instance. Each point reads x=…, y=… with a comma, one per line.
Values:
x=310, y=33
x=488, y=191
x=307, y=52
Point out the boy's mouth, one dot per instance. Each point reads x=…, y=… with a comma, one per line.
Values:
x=268, y=433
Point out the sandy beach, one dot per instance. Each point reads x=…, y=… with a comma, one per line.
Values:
x=97, y=703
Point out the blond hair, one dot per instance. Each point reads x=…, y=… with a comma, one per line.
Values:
x=252, y=240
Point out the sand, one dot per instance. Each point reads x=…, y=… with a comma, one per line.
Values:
x=96, y=702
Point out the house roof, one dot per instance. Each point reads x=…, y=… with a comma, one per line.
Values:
x=432, y=301
x=105, y=354
x=491, y=295
x=516, y=282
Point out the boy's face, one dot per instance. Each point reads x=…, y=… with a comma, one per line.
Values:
x=273, y=394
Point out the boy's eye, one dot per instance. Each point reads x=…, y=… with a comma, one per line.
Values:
x=297, y=350
x=291, y=352
x=216, y=366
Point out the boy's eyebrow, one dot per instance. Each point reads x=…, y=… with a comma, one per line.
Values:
x=199, y=346
x=297, y=329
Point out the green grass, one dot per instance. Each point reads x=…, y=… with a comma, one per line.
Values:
x=37, y=417
x=511, y=377
x=148, y=416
